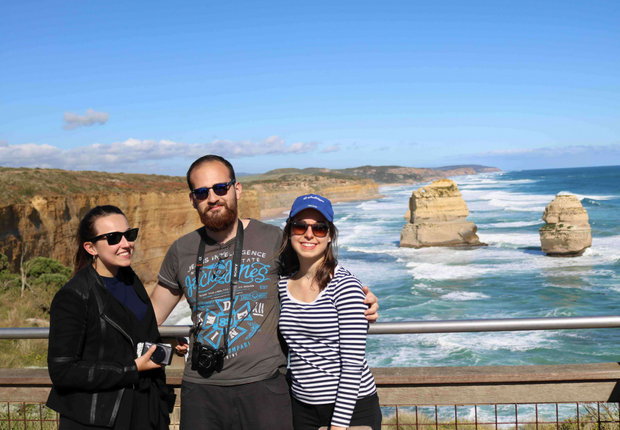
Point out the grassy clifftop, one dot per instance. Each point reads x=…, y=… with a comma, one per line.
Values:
x=18, y=185
x=379, y=174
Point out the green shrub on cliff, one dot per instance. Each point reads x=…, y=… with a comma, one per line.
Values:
x=44, y=277
x=40, y=266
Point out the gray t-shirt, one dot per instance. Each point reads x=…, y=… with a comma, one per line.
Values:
x=254, y=352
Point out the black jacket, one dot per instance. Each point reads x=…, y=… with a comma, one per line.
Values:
x=92, y=348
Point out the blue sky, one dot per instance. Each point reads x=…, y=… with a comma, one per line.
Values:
x=138, y=86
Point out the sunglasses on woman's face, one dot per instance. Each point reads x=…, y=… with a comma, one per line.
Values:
x=115, y=237
x=319, y=229
x=219, y=190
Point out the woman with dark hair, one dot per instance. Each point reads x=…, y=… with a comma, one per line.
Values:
x=96, y=321
x=322, y=320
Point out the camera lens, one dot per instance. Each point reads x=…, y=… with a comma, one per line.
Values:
x=206, y=360
x=159, y=355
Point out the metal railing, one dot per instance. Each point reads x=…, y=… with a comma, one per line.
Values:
x=412, y=327
x=513, y=416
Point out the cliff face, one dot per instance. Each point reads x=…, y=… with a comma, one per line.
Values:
x=46, y=226
x=40, y=209
x=280, y=193
x=567, y=232
x=437, y=217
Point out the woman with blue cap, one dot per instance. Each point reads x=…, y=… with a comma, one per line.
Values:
x=322, y=320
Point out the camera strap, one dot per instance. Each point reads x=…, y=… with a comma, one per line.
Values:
x=234, y=278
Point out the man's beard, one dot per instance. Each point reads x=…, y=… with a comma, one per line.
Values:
x=222, y=219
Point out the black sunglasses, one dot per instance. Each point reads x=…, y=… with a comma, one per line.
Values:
x=319, y=229
x=218, y=189
x=115, y=237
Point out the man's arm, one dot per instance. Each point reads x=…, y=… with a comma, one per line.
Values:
x=164, y=300
x=371, y=313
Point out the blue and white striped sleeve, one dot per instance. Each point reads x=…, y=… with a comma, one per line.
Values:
x=353, y=327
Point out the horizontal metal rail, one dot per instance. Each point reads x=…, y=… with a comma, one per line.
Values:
x=412, y=327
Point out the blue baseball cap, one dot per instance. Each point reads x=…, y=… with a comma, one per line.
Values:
x=313, y=201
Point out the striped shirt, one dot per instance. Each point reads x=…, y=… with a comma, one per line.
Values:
x=327, y=344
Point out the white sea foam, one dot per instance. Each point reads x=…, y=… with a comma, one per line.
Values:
x=430, y=349
x=581, y=196
x=510, y=239
x=426, y=287
x=462, y=296
x=443, y=272
x=514, y=224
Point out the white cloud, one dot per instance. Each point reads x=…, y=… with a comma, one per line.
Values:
x=92, y=117
x=125, y=155
x=332, y=148
x=4, y=143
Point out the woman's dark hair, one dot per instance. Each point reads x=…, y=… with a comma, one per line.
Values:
x=289, y=262
x=86, y=231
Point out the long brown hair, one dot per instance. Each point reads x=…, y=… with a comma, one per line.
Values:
x=86, y=231
x=289, y=261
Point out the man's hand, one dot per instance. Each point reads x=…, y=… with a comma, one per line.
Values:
x=164, y=300
x=182, y=346
x=371, y=299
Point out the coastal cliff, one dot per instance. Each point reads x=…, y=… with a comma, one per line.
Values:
x=40, y=211
x=437, y=217
x=387, y=174
x=277, y=195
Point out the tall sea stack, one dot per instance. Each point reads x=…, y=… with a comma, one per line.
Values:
x=437, y=217
x=567, y=232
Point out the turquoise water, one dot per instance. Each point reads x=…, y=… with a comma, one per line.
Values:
x=511, y=278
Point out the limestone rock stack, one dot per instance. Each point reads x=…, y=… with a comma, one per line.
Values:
x=437, y=217
x=567, y=232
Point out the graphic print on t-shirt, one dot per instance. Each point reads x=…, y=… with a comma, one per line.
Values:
x=210, y=298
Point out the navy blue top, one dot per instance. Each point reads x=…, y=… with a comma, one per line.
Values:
x=125, y=294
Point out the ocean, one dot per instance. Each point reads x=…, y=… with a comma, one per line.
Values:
x=510, y=278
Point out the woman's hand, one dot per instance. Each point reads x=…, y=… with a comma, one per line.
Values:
x=371, y=299
x=337, y=428
x=144, y=363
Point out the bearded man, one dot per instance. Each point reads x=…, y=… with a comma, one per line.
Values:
x=235, y=378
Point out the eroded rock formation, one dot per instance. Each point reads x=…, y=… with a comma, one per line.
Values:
x=567, y=232
x=437, y=217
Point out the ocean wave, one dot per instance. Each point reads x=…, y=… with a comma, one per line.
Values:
x=524, y=208
x=581, y=196
x=462, y=296
x=588, y=201
x=443, y=272
x=510, y=239
x=513, y=224
x=425, y=287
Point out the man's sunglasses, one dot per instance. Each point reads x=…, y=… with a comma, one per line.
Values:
x=319, y=229
x=218, y=189
x=115, y=237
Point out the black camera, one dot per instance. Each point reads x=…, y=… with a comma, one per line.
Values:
x=206, y=359
x=161, y=355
